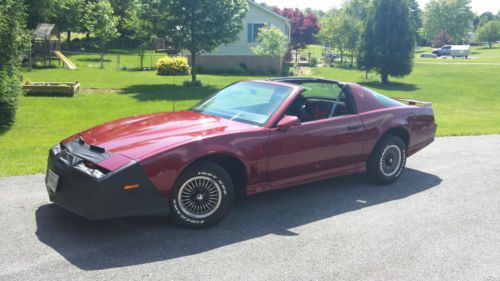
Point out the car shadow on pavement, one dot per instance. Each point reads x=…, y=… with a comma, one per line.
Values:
x=93, y=245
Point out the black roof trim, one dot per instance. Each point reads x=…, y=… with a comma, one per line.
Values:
x=304, y=80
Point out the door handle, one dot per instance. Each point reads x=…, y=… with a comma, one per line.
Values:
x=354, y=127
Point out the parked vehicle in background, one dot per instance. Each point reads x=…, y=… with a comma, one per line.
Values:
x=428, y=56
x=455, y=51
x=460, y=51
x=443, y=51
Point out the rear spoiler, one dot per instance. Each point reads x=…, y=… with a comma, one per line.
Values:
x=415, y=102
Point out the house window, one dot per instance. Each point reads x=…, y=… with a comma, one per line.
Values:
x=253, y=31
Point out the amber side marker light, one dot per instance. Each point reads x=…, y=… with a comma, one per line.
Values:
x=131, y=186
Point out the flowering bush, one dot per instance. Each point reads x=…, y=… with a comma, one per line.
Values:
x=173, y=66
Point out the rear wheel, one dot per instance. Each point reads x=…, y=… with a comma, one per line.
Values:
x=202, y=196
x=387, y=161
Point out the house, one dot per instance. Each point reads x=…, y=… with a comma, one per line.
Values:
x=240, y=52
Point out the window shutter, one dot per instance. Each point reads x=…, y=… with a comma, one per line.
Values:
x=250, y=32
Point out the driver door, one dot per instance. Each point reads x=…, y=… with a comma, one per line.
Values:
x=315, y=149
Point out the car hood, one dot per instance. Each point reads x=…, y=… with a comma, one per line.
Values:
x=138, y=136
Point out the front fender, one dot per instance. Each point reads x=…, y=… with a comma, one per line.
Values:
x=250, y=148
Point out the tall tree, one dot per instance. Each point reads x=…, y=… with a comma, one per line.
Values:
x=202, y=25
x=341, y=28
x=453, y=16
x=12, y=42
x=330, y=31
x=489, y=32
x=358, y=9
x=99, y=20
x=355, y=13
x=67, y=16
x=40, y=11
x=144, y=23
x=126, y=11
x=389, y=39
x=486, y=17
x=416, y=20
x=304, y=26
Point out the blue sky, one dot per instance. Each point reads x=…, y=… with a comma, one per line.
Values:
x=478, y=6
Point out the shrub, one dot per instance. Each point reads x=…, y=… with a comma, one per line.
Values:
x=314, y=62
x=10, y=88
x=173, y=66
x=12, y=39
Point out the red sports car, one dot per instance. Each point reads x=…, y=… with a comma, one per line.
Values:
x=251, y=137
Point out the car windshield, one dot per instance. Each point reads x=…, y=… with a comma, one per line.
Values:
x=247, y=102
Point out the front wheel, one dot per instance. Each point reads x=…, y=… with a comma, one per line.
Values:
x=387, y=161
x=202, y=196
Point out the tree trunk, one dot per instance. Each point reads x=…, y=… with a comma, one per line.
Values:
x=142, y=57
x=341, y=55
x=352, y=58
x=193, y=67
x=385, y=78
x=68, y=37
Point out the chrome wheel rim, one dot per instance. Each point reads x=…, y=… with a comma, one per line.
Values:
x=200, y=197
x=391, y=160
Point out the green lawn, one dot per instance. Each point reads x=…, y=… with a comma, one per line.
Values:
x=315, y=50
x=465, y=97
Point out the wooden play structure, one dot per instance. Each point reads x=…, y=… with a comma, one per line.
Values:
x=46, y=46
x=163, y=47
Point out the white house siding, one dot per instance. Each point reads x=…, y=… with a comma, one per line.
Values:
x=240, y=52
x=255, y=15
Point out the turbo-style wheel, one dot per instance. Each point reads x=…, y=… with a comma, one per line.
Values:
x=387, y=160
x=391, y=160
x=202, y=196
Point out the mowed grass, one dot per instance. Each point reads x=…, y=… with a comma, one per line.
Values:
x=465, y=97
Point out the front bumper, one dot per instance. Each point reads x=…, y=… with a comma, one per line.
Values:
x=103, y=198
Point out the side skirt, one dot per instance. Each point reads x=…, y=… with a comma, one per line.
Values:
x=259, y=188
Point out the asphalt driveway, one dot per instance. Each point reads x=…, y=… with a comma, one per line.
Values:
x=441, y=221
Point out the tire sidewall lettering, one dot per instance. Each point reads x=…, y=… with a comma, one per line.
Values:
x=214, y=177
x=183, y=216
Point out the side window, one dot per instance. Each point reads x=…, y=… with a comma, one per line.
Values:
x=319, y=101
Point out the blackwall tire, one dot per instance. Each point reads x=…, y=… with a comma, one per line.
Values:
x=202, y=196
x=387, y=160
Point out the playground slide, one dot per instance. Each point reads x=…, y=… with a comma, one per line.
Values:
x=66, y=61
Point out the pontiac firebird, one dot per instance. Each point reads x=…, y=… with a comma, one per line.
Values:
x=251, y=137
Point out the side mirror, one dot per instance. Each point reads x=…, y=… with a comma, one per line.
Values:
x=287, y=122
